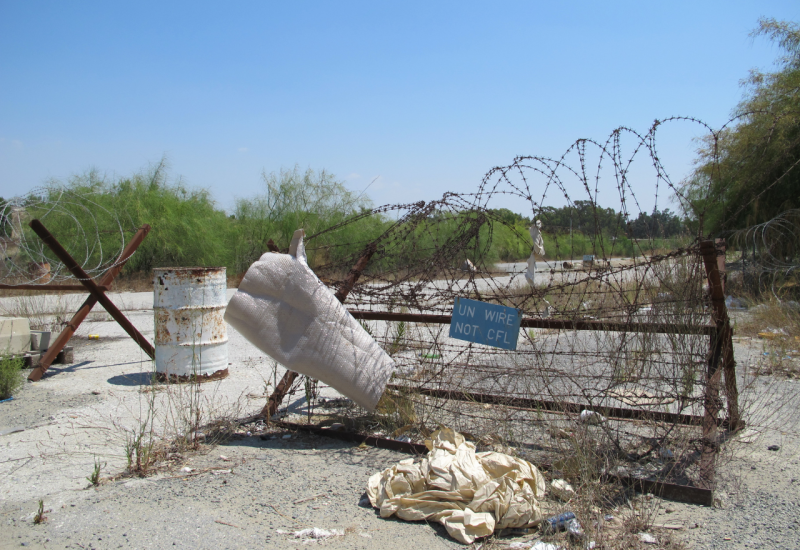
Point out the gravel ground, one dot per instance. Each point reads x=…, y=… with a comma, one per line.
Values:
x=758, y=500
x=273, y=486
x=79, y=414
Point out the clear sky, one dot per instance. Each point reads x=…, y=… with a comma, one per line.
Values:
x=425, y=96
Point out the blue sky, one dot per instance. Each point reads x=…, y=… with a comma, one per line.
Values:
x=424, y=96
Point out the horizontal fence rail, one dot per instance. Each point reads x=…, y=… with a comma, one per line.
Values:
x=557, y=324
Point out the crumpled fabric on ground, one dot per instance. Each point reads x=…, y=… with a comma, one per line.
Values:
x=470, y=493
x=282, y=308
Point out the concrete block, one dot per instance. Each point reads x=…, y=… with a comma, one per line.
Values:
x=40, y=340
x=15, y=335
x=66, y=356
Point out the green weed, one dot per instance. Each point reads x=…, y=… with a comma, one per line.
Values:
x=40, y=517
x=94, y=477
x=11, y=376
x=398, y=339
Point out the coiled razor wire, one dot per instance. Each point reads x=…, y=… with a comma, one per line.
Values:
x=770, y=255
x=92, y=234
x=420, y=266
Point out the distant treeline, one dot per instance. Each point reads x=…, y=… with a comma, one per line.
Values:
x=190, y=229
x=590, y=219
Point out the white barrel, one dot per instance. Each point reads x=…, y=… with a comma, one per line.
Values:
x=191, y=334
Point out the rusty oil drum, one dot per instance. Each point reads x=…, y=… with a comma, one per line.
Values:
x=191, y=334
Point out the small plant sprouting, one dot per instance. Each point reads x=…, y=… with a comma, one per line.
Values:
x=94, y=478
x=366, y=327
x=40, y=517
x=399, y=337
x=140, y=443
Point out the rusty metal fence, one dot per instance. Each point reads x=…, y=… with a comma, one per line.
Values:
x=624, y=366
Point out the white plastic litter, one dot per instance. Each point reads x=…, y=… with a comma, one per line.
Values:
x=317, y=533
x=647, y=538
x=470, y=493
x=287, y=312
x=536, y=236
x=592, y=417
x=562, y=490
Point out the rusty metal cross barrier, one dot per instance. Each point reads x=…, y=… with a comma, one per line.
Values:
x=96, y=294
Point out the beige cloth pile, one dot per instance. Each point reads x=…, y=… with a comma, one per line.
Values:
x=470, y=493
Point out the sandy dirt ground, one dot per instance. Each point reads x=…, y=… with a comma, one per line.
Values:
x=269, y=486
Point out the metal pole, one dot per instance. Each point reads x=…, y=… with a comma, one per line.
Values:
x=58, y=288
x=557, y=324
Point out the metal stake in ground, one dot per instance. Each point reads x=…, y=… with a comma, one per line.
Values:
x=96, y=295
x=720, y=353
x=724, y=349
x=347, y=285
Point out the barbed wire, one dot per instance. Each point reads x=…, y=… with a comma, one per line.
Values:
x=92, y=234
x=460, y=246
x=769, y=255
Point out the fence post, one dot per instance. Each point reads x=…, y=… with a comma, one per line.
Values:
x=720, y=360
x=733, y=420
x=711, y=404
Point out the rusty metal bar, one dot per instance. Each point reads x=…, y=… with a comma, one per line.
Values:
x=280, y=392
x=711, y=399
x=289, y=377
x=554, y=406
x=69, y=330
x=378, y=442
x=350, y=281
x=722, y=352
x=96, y=295
x=51, y=287
x=734, y=420
x=669, y=491
x=558, y=324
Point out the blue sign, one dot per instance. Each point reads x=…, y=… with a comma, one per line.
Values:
x=484, y=323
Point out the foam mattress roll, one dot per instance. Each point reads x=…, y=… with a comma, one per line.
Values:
x=282, y=308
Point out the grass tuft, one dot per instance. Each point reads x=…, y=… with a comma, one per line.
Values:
x=39, y=517
x=11, y=376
